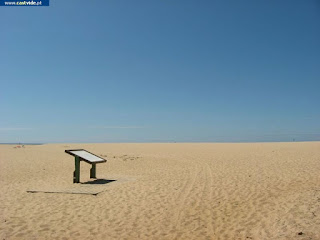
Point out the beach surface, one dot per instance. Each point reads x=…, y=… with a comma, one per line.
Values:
x=163, y=191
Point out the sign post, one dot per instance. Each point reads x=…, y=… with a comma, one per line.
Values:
x=83, y=155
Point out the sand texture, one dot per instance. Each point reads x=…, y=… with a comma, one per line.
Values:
x=163, y=191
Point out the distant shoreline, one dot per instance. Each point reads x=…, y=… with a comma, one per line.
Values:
x=22, y=143
x=165, y=142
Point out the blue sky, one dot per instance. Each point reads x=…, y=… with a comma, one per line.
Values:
x=158, y=71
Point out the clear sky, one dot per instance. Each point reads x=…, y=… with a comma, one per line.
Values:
x=160, y=70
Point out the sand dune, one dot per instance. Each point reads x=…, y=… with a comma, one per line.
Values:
x=164, y=191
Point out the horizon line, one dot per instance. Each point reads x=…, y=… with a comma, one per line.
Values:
x=43, y=143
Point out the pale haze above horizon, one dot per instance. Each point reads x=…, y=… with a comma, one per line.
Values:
x=160, y=71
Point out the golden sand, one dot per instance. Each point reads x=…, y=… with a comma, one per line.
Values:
x=172, y=191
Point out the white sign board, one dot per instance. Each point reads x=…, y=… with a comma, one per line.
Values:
x=86, y=156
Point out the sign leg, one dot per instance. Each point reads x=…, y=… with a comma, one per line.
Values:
x=76, y=173
x=93, y=171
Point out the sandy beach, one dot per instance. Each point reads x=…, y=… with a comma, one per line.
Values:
x=164, y=191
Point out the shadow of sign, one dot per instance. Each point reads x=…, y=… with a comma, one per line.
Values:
x=99, y=181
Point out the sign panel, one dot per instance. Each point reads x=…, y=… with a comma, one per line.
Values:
x=86, y=156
